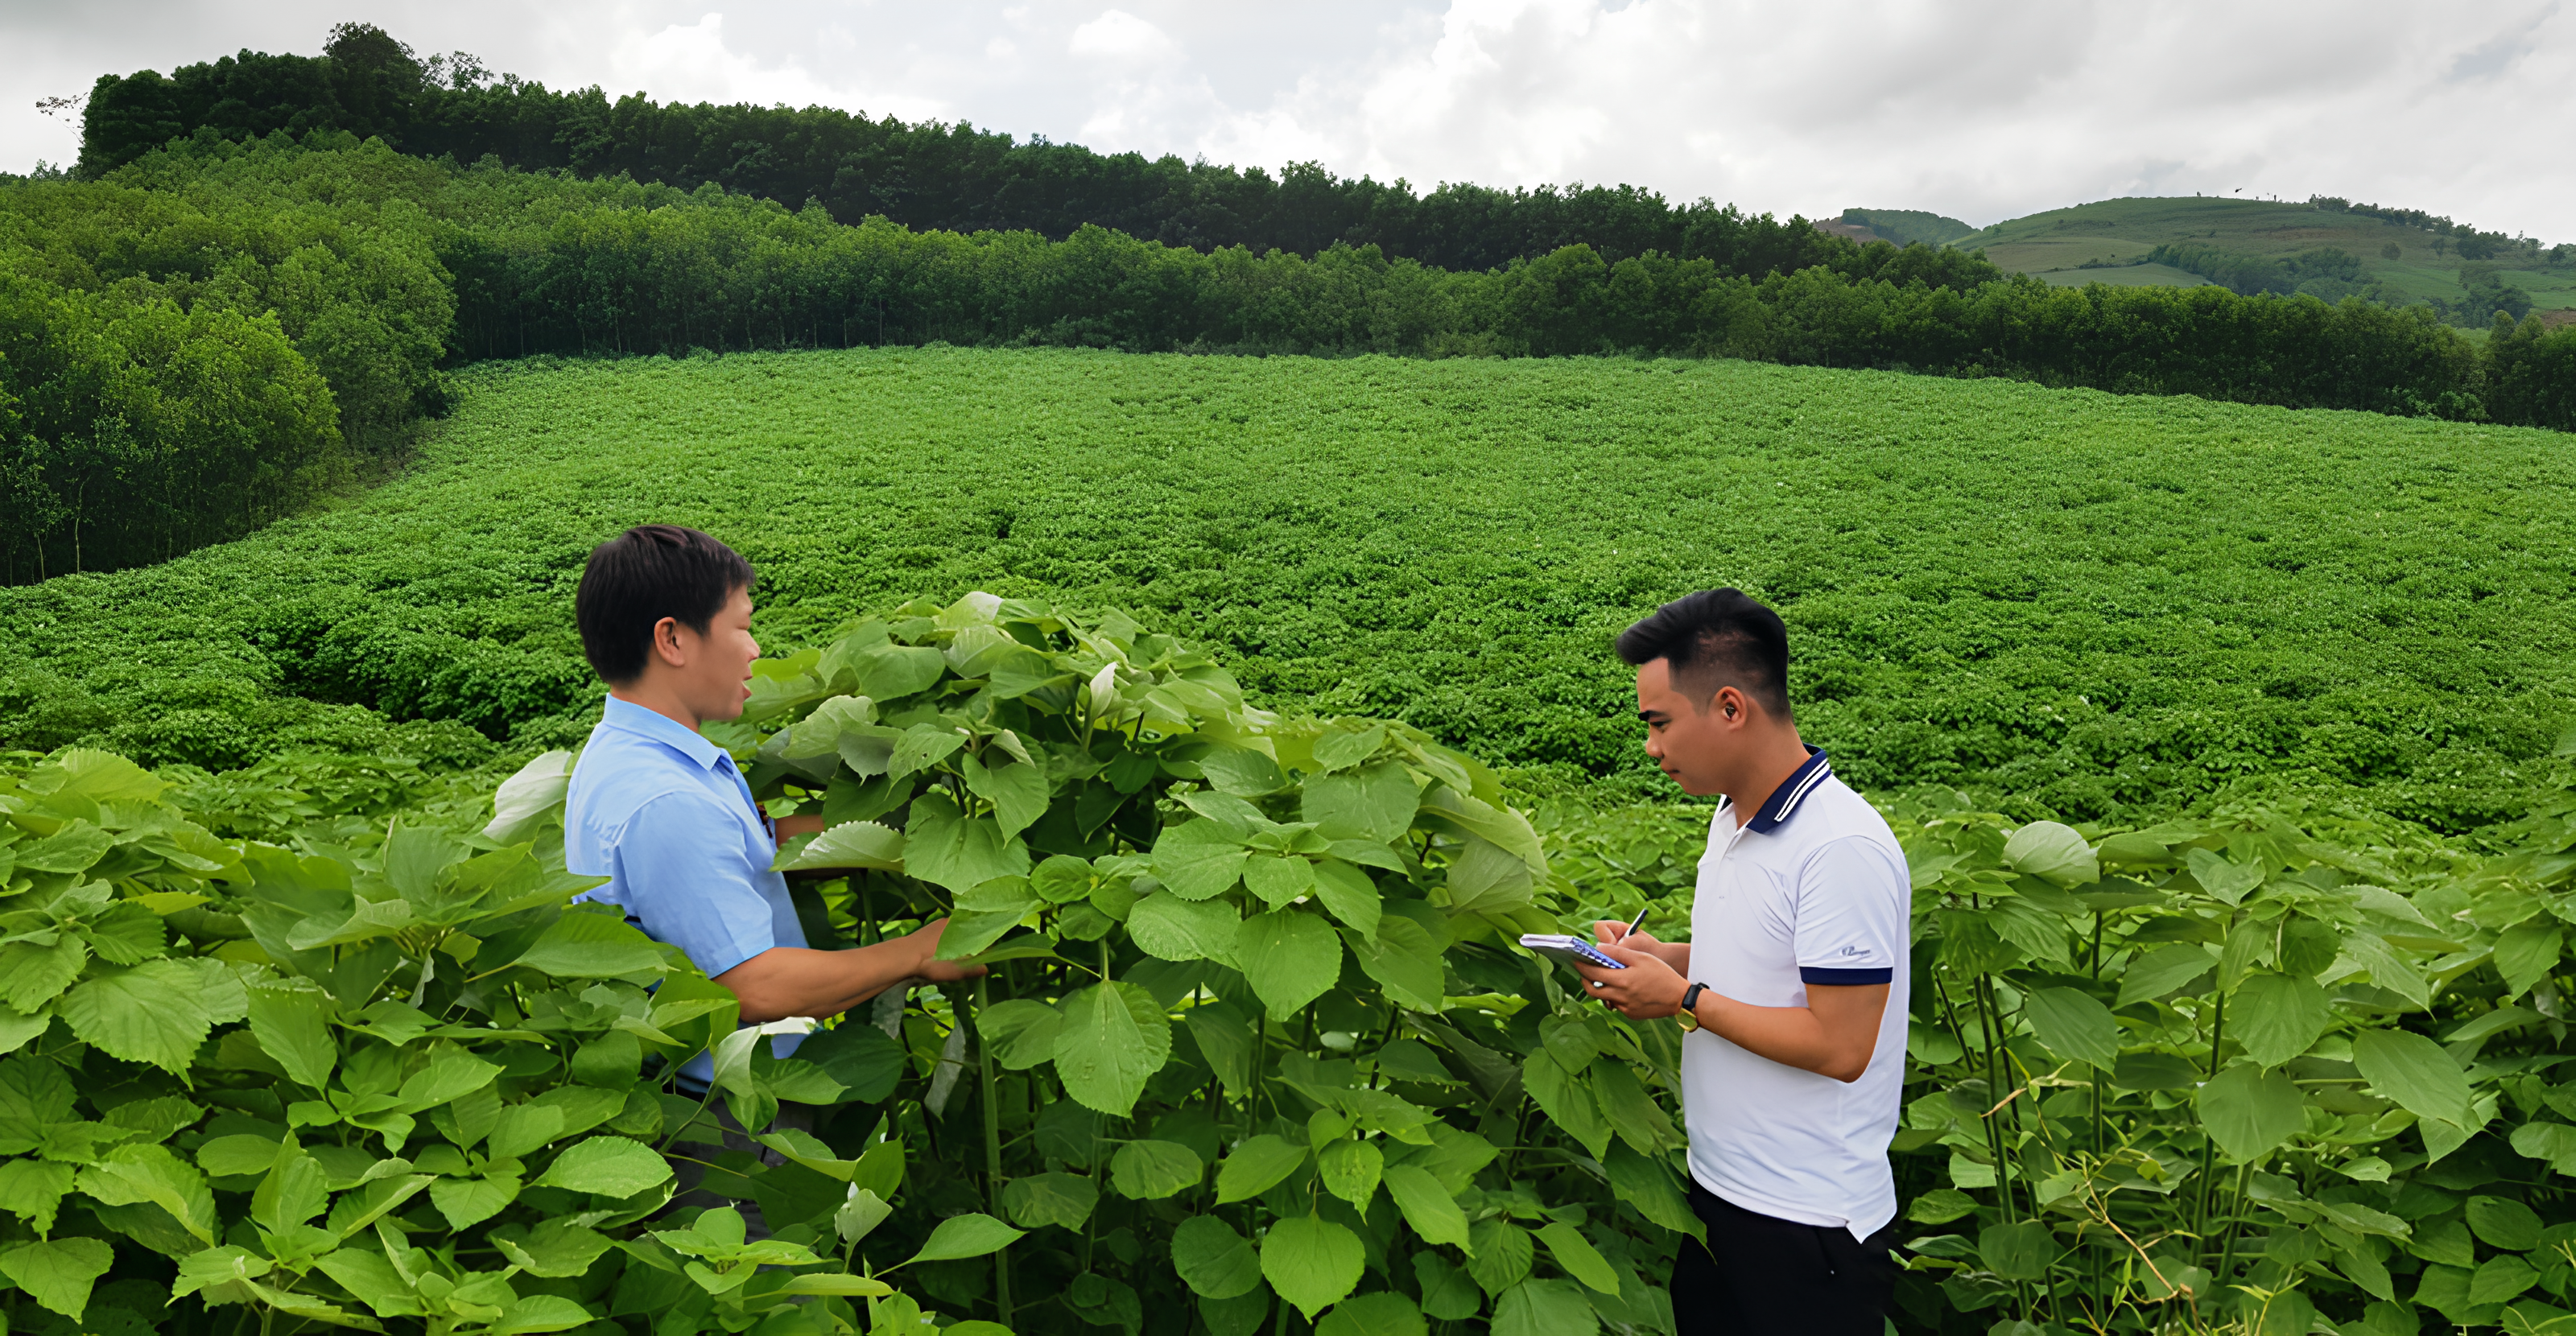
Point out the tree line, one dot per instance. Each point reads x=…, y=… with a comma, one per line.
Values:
x=201, y=338
x=927, y=176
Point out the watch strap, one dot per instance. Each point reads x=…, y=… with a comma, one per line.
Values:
x=1688, y=1016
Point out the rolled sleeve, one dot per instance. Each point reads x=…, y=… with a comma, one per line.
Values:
x=682, y=875
x=1852, y=903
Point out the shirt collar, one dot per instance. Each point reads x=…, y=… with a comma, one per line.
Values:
x=1784, y=800
x=630, y=717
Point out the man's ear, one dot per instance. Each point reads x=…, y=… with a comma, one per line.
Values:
x=667, y=645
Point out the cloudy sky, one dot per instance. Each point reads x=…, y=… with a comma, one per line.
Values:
x=1981, y=109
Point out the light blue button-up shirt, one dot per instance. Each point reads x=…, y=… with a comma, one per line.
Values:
x=667, y=818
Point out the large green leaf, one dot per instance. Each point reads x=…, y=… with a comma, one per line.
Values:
x=965, y=1236
x=1544, y=1308
x=133, y=1174
x=1499, y=1254
x=1225, y=1040
x=2164, y=970
x=1020, y=1033
x=1312, y=1262
x=2054, y=854
x=1199, y=860
x=607, y=1166
x=59, y=1273
x=983, y=914
x=1169, y=927
x=452, y=1073
x=2502, y=1222
x=1148, y=1170
x=591, y=944
x=2248, y=1111
x=1016, y=789
x=1289, y=957
x=155, y=1012
x=2417, y=1073
x=2526, y=953
x=886, y=671
x=1278, y=879
x=471, y=1201
x=1256, y=1166
x=33, y=1190
x=1576, y=1254
x=1350, y=1169
x=1113, y=1037
x=2278, y=1016
x=1344, y=747
x=1567, y=1101
x=945, y=848
x=2018, y=1251
x=2230, y=882
x=72, y=849
x=1375, y=803
x=1632, y=1113
x=1213, y=1260
x=1649, y=1186
x=32, y=974
x=1430, y=1208
x=923, y=746
x=1383, y=1313
x=290, y=1020
x=2074, y=1024
x=1404, y=959
x=1063, y=1200
x=851, y=844
x=1242, y=772
x=1349, y=894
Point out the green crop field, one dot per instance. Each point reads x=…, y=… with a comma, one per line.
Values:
x=2242, y=1051
x=2097, y=606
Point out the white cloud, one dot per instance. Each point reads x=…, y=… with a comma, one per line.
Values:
x=1122, y=38
x=1982, y=109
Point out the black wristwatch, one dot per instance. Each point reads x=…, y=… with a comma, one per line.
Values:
x=1688, y=1016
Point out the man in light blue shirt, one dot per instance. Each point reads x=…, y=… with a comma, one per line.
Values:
x=665, y=617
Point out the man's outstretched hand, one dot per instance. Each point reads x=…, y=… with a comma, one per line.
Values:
x=931, y=969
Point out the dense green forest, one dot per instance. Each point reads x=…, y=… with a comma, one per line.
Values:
x=930, y=176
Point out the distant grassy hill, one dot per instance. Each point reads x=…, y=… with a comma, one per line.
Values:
x=1907, y=226
x=2056, y=244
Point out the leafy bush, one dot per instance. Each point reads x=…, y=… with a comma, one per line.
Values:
x=1252, y=1038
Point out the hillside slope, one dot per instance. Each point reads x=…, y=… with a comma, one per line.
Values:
x=2057, y=243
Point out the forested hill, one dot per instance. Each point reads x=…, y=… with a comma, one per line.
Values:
x=927, y=176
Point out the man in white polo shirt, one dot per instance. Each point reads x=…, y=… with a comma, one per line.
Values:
x=1793, y=988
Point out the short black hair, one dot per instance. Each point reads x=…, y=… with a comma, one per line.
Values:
x=641, y=576
x=1716, y=638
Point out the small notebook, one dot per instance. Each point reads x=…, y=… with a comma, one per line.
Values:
x=1571, y=950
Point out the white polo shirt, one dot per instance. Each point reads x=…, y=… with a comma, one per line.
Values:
x=1812, y=890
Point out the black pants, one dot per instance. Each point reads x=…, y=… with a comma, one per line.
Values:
x=1763, y=1276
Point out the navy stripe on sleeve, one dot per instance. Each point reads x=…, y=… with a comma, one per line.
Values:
x=1844, y=978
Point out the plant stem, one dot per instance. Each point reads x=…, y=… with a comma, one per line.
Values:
x=2209, y=1145
x=993, y=1160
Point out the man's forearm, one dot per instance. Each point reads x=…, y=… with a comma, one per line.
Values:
x=788, y=981
x=1834, y=1035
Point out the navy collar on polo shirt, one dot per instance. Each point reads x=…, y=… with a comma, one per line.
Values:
x=1783, y=802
